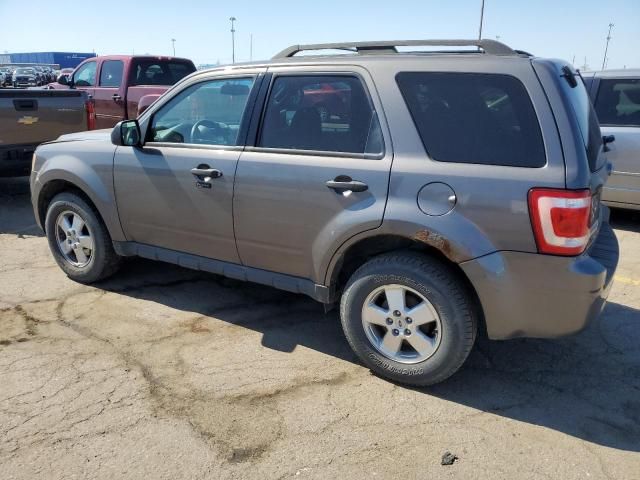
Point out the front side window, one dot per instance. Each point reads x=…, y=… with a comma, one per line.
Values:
x=86, y=75
x=321, y=113
x=474, y=118
x=618, y=102
x=111, y=73
x=207, y=113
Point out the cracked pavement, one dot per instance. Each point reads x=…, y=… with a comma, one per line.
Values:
x=163, y=372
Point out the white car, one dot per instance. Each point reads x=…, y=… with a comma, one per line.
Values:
x=616, y=98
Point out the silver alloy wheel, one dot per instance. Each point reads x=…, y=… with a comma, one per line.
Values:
x=401, y=324
x=74, y=238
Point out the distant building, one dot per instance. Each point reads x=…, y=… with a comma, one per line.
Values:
x=64, y=59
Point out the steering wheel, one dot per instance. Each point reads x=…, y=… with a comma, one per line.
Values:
x=219, y=128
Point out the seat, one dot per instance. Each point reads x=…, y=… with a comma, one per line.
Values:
x=305, y=131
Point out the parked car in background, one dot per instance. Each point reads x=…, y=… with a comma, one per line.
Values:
x=31, y=117
x=8, y=76
x=616, y=97
x=48, y=75
x=42, y=76
x=26, y=77
x=2, y=78
x=488, y=217
x=123, y=86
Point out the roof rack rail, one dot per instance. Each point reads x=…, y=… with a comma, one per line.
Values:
x=490, y=47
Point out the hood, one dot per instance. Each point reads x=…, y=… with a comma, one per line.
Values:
x=95, y=135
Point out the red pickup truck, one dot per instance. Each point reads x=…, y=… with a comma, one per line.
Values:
x=123, y=86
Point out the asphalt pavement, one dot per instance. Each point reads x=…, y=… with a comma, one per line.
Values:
x=167, y=373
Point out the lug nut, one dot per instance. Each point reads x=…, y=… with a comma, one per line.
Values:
x=396, y=313
x=407, y=331
x=389, y=321
x=395, y=332
x=409, y=320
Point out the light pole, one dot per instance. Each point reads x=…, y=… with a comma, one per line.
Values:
x=481, y=20
x=233, y=40
x=173, y=44
x=606, y=48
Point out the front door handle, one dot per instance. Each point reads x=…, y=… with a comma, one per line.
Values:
x=344, y=183
x=116, y=97
x=206, y=173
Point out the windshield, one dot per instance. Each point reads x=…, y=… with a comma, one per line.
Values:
x=25, y=71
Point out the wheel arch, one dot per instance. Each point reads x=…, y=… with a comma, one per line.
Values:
x=364, y=249
x=54, y=186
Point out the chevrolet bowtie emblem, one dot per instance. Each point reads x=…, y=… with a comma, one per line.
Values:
x=28, y=120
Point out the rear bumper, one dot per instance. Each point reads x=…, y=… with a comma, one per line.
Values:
x=533, y=295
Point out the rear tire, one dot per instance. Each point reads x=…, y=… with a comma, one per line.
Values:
x=409, y=318
x=79, y=240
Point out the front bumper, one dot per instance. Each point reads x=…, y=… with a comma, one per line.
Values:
x=534, y=295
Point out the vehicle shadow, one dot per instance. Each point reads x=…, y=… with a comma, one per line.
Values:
x=16, y=214
x=628, y=220
x=586, y=386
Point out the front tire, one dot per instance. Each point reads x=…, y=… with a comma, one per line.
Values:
x=409, y=318
x=79, y=240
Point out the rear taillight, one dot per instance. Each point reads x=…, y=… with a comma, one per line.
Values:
x=560, y=220
x=91, y=114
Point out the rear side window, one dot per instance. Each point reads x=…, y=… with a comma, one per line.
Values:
x=111, y=73
x=618, y=102
x=159, y=72
x=474, y=118
x=321, y=113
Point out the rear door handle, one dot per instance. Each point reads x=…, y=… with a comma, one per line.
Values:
x=344, y=183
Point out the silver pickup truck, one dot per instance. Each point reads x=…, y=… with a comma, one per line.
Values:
x=31, y=117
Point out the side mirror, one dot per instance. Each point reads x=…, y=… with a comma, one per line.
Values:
x=63, y=80
x=126, y=134
x=606, y=140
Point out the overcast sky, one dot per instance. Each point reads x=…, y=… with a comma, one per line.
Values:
x=550, y=28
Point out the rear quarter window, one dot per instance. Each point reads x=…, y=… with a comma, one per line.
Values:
x=474, y=118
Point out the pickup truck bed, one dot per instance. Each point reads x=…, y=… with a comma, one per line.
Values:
x=31, y=117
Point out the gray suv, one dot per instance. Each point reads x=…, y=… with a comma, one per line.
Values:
x=432, y=195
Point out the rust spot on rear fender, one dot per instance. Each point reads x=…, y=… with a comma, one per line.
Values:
x=435, y=240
